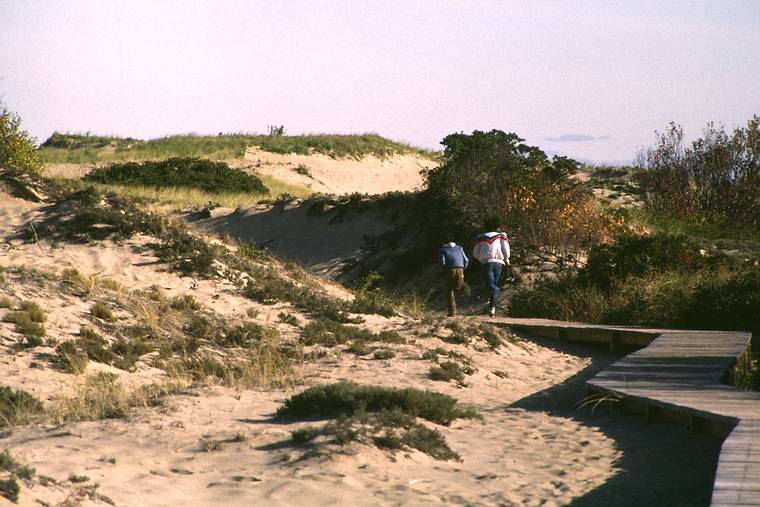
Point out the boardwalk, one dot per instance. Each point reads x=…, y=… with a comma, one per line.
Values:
x=679, y=375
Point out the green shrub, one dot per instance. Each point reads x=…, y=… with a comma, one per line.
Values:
x=185, y=302
x=674, y=291
x=634, y=255
x=19, y=162
x=99, y=310
x=206, y=175
x=288, y=318
x=303, y=435
x=88, y=214
x=130, y=351
x=391, y=430
x=247, y=334
x=9, y=489
x=188, y=254
x=369, y=298
x=358, y=347
x=432, y=354
x=94, y=346
x=78, y=478
x=383, y=354
x=348, y=398
x=448, y=370
x=330, y=334
x=6, y=302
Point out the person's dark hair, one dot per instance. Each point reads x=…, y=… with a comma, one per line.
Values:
x=491, y=224
x=448, y=237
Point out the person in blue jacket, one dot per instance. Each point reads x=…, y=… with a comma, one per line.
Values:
x=453, y=261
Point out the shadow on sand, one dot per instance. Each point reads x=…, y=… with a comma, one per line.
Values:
x=661, y=464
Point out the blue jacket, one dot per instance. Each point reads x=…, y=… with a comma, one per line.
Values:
x=452, y=256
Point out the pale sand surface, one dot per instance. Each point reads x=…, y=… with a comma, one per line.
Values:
x=531, y=448
x=292, y=232
x=366, y=175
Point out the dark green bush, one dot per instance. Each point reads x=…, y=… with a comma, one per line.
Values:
x=206, y=175
x=662, y=282
x=88, y=214
x=94, y=346
x=383, y=354
x=348, y=398
x=9, y=489
x=634, y=255
x=447, y=370
x=130, y=351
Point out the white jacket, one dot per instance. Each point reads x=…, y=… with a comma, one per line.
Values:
x=492, y=247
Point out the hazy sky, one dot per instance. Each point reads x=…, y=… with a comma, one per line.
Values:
x=589, y=79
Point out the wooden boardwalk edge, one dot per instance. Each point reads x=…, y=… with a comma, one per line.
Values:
x=677, y=375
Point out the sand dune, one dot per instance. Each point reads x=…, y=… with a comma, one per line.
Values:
x=367, y=175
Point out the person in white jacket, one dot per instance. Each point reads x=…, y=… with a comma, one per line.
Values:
x=492, y=250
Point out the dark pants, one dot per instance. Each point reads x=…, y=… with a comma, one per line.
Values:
x=493, y=274
x=454, y=281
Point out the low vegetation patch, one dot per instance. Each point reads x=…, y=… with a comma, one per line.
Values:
x=450, y=370
x=100, y=310
x=18, y=407
x=206, y=175
x=85, y=148
x=102, y=396
x=29, y=319
x=348, y=398
x=329, y=333
x=389, y=430
x=383, y=354
x=660, y=280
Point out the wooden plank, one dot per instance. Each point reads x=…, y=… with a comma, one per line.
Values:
x=678, y=374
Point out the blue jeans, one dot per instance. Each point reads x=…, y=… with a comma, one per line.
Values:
x=493, y=273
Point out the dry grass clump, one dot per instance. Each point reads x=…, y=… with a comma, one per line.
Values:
x=18, y=407
x=101, y=396
x=29, y=319
x=263, y=365
x=85, y=285
x=100, y=310
x=6, y=302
